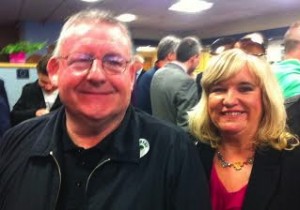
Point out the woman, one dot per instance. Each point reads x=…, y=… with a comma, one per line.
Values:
x=252, y=161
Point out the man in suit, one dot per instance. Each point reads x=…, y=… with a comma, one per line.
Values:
x=173, y=91
x=38, y=98
x=138, y=65
x=4, y=109
x=165, y=53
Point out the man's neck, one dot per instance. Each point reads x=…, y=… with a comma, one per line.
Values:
x=88, y=133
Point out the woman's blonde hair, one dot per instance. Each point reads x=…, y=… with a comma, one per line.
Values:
x=272, y=130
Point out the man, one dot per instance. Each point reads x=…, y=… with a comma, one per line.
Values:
x=97, y=152
x=165, y=54
x=173, y=91
x=4, y=110
x=287, y=71
x=38, y=98
x=138, y=64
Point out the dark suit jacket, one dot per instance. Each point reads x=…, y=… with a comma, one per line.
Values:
x=30, y=101
x=4, y=109
x=135, y=88
x=274, y=181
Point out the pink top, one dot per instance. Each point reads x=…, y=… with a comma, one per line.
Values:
x=221, y=199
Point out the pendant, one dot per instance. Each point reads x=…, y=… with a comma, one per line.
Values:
x=238, y=165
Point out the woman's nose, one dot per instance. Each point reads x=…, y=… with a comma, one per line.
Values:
x=230, y=98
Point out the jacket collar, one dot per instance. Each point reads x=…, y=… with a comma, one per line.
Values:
x=124, y=144
x=263, y=180
x=264, y=176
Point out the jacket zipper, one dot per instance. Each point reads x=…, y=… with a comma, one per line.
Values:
x=91, y=174
x=59, y=173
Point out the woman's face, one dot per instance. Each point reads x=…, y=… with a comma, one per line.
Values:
x=235, y=105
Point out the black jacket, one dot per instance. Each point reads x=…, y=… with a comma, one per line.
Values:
x=4, y=110
x=29, y=102
x=274, y=181
x=168, y=177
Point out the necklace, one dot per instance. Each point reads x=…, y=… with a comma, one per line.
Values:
x=236, y=165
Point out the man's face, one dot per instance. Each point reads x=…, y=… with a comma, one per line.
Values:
x=93, y=93
x=45, y=83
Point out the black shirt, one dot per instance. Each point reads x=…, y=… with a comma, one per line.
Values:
x=77, y=164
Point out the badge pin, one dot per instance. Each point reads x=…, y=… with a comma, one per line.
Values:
x=144, y=147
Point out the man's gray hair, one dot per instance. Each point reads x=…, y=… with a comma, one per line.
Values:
x=166, y=46
x=90, y=16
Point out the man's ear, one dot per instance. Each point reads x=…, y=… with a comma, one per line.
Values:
x=52, y=68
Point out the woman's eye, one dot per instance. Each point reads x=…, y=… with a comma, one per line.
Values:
x=217, y=89
x=246, y=88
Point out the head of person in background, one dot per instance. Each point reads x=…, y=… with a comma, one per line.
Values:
x=43, y=77
x=242, y=120
x=166, y=49
x=253, y=43
x=188, y=53
x=138, y=65
x=291, y=42
x=221, y=44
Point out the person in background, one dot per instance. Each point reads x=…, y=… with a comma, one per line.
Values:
x=173, y=91
x=287, y=71
x=4, y=110
x=38, y=98
x=165, y=54
x=251, y=159
x=97, y=151
x=138, y=64
x=253, y=44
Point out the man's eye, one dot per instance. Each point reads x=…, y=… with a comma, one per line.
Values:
x=76, y=61
x=114, y=63
x=113, y=60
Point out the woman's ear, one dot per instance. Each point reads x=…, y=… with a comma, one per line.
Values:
x=52, y=68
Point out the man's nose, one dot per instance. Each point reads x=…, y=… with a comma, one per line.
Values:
x=96, y=72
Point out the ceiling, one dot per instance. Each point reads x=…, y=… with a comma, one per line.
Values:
x=226, y=17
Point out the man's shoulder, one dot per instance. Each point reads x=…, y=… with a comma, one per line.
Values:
x=31, y=85
x=157, y=127
x=28, y=132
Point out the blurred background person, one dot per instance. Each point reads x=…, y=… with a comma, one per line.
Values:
x=287, y=71
x=165, y=53
x=38, y=98
x=173, y=90
x=4, y=110
x=253, y=43
x=138, y=65
x=251, y=160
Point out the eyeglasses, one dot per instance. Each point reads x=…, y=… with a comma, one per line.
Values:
x=111, y=63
